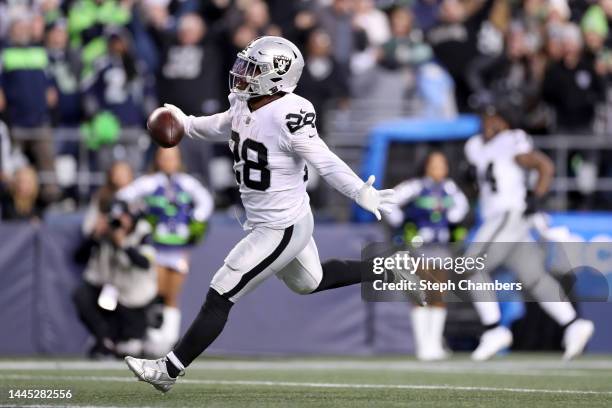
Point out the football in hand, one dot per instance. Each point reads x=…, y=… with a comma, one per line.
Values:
x=165, y=129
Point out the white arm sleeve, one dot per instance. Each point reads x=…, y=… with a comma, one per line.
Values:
x=91, y=215
x=460, y=206
x=407, y=190
x=404, y=193
x=215, y=128
x=303, y=139
x=202, y=199
x=137, y=189
x=472, y=149
x=521, y=142
x=336, y=172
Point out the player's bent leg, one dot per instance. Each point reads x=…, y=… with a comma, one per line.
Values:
x=248, y=264
x=332, y=274
x=262, y=253
x=494, y=239
x=303, y=274
x=206, y=327
x=529, y=263
x=338, y=273
x=306, y=274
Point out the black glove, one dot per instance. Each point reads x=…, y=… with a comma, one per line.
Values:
x=534, y=204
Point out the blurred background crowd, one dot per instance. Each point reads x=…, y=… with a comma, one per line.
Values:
x=79, y=77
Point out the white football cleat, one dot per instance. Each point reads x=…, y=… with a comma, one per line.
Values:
x=576, y=337
x=491, y=342
x=152, y=371
x=433, y=354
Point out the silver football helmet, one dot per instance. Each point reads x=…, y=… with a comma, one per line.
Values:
x=266, y=66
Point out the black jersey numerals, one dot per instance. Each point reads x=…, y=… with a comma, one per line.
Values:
x=296, y=121
x=489, y=177
x=260, y=151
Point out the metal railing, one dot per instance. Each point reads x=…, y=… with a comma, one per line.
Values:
x=87, y=176
x=346, y=131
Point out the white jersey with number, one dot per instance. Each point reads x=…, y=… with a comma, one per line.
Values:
x=270, y=147
x=502, y=181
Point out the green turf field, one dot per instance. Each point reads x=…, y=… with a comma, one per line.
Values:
x=516, y=381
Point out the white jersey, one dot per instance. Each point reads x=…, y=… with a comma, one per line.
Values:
x=407, y=191
x=147, y=185
x=502, y=181
x=270, y=147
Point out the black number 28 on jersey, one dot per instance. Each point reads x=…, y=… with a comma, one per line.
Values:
x=260, y=165
x=296, y=121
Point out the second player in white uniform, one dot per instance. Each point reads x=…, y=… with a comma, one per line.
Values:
x=502, y=158
x=271, y=133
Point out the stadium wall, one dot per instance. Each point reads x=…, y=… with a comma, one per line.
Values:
x=37, y=276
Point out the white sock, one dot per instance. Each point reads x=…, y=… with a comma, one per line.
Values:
x=131, y=347
x=171, y=325
x=420, y=326
x=175, y=361
x=488, y=312
x=561, y=312
x=437, y=318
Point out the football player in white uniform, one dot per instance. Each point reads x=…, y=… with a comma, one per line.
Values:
x=502, y=157
x=272, y=134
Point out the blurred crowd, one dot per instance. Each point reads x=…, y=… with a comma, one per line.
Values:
x=103, y=65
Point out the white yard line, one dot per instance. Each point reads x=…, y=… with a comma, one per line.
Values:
x=440, y=387
x=64, y=405
x=528, y=368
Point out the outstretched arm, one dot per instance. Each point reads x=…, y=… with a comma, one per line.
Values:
x=340, y=176
x=405, y=192
x=215, y=128
x=337, y=173
x=460, y=208
x=203, y=201
x=137, y=189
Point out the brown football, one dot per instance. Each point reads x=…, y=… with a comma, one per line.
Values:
x=165, y=129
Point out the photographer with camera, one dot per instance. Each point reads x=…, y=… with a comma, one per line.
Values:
x=119, y=280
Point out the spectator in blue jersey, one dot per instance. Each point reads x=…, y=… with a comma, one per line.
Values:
x=118, y=96
x=119, y=83
x=28, y=93
x=178, y=207
x=64, y=68
x=88, y=21
x=427, y=208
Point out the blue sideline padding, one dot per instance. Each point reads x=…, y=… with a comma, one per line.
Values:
x=409, y=131
x=588, y=225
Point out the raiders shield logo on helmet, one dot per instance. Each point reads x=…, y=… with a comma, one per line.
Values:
x=281, y=64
